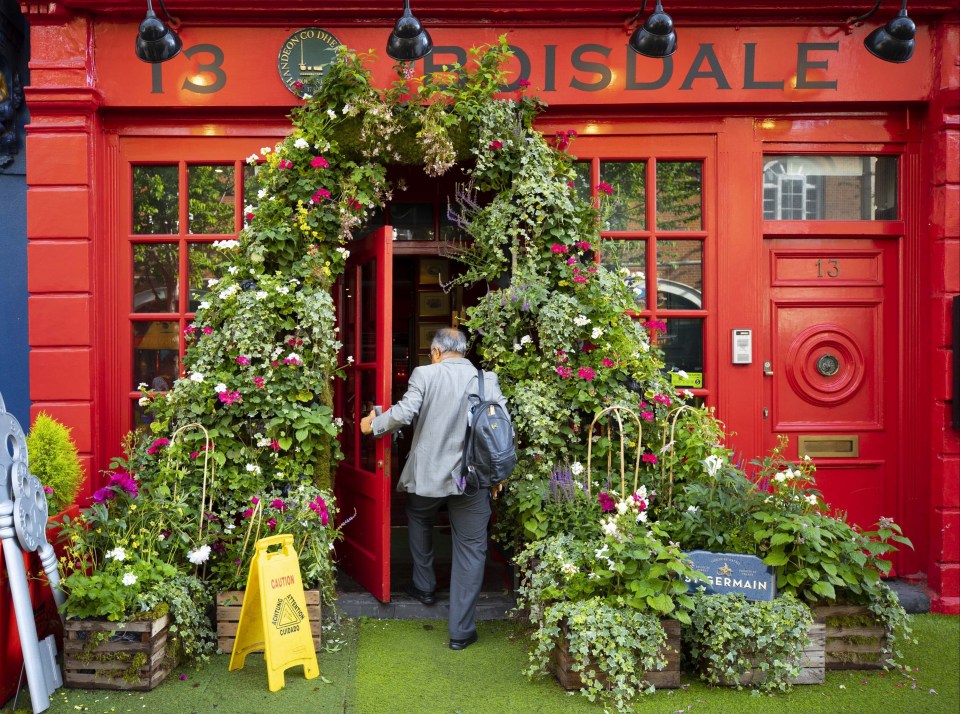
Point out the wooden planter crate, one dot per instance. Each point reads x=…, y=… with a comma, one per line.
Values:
x=107, y=664
x=812, y=662
x=668, y=678
x=228, y=617
x=855, y=638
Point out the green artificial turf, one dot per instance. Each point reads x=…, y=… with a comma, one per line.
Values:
x=405, y=667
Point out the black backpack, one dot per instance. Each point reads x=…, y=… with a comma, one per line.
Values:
x=489, y=453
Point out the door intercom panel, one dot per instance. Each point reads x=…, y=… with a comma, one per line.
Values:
x=742, y=346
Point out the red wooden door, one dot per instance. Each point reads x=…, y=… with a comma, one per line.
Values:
x=363, y=477
x=832, y=362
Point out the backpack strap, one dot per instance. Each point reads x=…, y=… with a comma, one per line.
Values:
x=464, y=482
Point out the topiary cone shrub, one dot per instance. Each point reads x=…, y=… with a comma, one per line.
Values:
x=53, y=458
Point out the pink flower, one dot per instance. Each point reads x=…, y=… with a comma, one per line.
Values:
x=655, y=325
x=183, y=677
x=319, y=162
x=243, y=361
x=272, y=523
x=586, y=373
x=571, y=260
x=354, y=204
x=604, y=187
x=194, y=454
x=229, y=397
x=254, y=500
x=496, y=145
x=565, y=372
x=248, y=513
x=258, y=382
x=583, y=245
x=285, y=164
x=275, y=445
x=102, y=495
x=523, y=82
x=558, y=248
x=157, y=445
x=48, y=490
x=650, y=458
x=607, y=362
x=250, y=216
x=324, y=518
x=588, y=347
x=294, y=342
x=320, y=195
x=189, y=330
x=126, y=482
x=278, y=504
x=646, y=415
x=298, y=84
x=579, y=278
x=662, y=399
x=208, y=330
x=606, y=502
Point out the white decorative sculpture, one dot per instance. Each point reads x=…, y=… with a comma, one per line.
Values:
x=23, y=528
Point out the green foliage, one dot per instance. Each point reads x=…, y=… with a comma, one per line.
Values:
x=611, y=644
x=53, y=459
x=729, y=636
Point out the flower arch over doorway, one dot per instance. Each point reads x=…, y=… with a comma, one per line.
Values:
x=558, y=330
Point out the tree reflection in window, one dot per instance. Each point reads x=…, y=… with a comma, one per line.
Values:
x=156, y=286
x=155, y=200
x=679, y=195
x=627, y=203
x=211, y=205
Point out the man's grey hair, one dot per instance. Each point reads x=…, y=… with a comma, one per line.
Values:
x=450, y=339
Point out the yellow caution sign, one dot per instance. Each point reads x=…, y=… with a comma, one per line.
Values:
x=273, y=617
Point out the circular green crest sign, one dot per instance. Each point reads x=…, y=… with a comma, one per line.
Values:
x=305, y=55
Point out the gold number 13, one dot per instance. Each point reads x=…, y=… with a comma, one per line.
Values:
x=833, y=268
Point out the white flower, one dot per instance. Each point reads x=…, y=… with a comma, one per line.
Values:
x=229, y=292
x=252, y=159
x=203, y=305
x=265, y=150
x=262, y=193
x=283, y=289
x=143, y=401
x=597, y=331
x=811, y=499
x=301, y=143
x=569, y=569
x=642, y=493
x=260, y=294
x=338, y=422
x=581, y=320
x=263, y=441
x=682, y=374
x=692, y=509
x=526, y=340
x=687, y=393
x=610, y=527
x=666, y=447
x=200, y=555
x=129, y=578
x=780, y=477
x=253, y=468
x=233, y=270
x=307, y=96
x=212, y=281
x=142, y=386
x=576, y=468
x=347, y=109
x=350, y=359
x=161, y=537
x=713, y=464
x=196, y=377
x=517, y=347
x=332, y=114
x=622, y=506
x=117, y=554
x=220, y=388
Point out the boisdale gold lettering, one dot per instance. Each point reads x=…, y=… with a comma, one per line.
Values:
x=588, y=66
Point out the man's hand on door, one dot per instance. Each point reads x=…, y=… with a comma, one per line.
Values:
x=366, y=424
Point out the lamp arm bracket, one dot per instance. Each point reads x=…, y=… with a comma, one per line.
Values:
x=628, y=25
x=175, y=22
x=853, y=20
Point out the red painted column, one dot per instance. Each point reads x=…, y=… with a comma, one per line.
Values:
x=944, y=280
x=61, y=225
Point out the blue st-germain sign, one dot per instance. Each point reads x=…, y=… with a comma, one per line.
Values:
x=733, y=573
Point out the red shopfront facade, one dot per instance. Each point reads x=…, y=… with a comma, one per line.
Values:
x=808, y=294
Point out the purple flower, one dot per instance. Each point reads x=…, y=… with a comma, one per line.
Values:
x=102, y=495
x=606, y=502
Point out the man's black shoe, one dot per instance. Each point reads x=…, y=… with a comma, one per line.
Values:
x=464, y=643
x=421, y=595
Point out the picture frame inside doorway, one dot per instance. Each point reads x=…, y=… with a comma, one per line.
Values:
x=434, y=271
x=425, y=333
x=433, y=303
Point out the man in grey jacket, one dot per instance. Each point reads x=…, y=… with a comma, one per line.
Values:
x=436, y=398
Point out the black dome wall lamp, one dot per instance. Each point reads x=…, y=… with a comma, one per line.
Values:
x=155, y=41
x=894, y=42
x=656, y=37
x=409, y=41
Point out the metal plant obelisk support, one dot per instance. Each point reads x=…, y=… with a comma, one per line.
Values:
x=23, y=528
